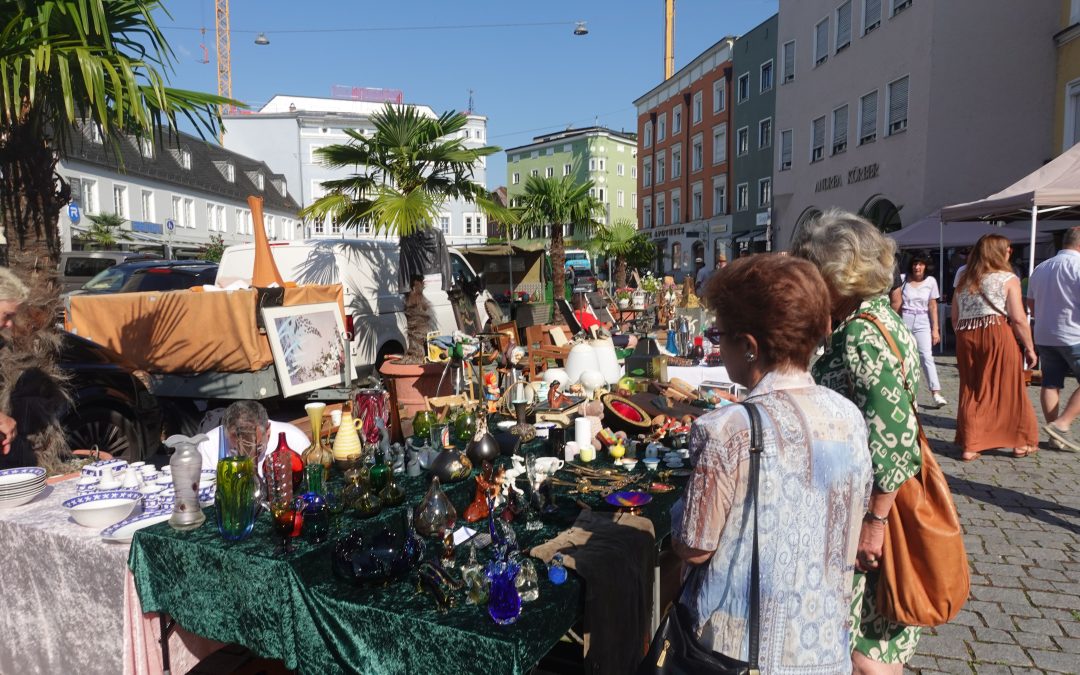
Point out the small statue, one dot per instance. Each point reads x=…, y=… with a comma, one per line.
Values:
x=508, y=477
x=556, y=398
x=487, y=488
x=412, y=466
x=491, y=392
x=397, y=458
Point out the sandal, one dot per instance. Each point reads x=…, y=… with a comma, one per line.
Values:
x=970, y=456
x=1024, y=452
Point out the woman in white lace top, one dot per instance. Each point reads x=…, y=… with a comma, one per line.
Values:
x=989, y=319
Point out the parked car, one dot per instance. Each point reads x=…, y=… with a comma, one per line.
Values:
x=151, y=275
x=111, y=405
x=580, y=280
x=78, y=267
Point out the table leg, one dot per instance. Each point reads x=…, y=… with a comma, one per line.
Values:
x=167, y=626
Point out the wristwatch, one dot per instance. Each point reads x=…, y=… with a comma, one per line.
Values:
x=875, y=518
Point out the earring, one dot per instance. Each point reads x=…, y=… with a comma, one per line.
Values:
x=750, y=357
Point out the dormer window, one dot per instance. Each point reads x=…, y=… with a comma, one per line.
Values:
x=227, y=169
x=93, y=132
x=146, y=148
x=182, y=157
x=260, y=182
x=279, y=183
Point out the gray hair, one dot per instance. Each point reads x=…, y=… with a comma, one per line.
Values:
x=854, y=257
x=12, y=289
x=1072, y=238
x=245, y=417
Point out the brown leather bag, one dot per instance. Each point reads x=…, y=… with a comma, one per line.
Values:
x=924, y=578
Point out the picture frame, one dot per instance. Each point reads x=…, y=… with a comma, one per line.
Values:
x=307, y=344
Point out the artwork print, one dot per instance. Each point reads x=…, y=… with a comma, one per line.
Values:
x=306, y=341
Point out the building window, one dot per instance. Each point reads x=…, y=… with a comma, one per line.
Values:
x=468, y=224
x=592, y=164
x=549, y=151
x=317, y=228
x=676, y=208
x=660, y=211
x=549, y=172
x=535, y=173
x=444, y=224
x=661, y=127
x=676, y=161
x=661, y=164
x=697, y=153
x=676, y=256
x=764, y=133
x=260, y=182
x=648, y=133
x=719, y=196
x=633, y=172
x=211, y=223
x=843, y=26
x=899, y=6
x=271, y=227
x=839, y=129
x=633, y=200
x=147, y=206
x=742, y=196
x=898, y=100
x=120, y=201
x=220, y=211
x=742, y=89
x=789, y=61
x=89, y=196
x=764, y=192
x=602, y=164
x=676, y=119
x=695, y=202
x=742, y=141
x=646, y=178
x=516, y=178
x=620, y=169
x=697, y=107
x=817, y=147
x=871, y=15
x=189, y=212
x=567, y=169
x=1074, y=11
x=601, y=194
x=766, y=76
x=620, y=198
x=868, y=118
x=821, y=42
x=719, y=144
x=1070, y=134
x=177, y=208
x=719, y=95
x=646, y=215
x=787, y=138
x=146, y=148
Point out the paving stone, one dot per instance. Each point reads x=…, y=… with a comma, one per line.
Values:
x=955, y=667
x=1059, y=600
x=1070, y=646
x=1020, y=609
x=1056, y=662
x=998, y=594
x=1012, y=655
x=994, y=635
x=937, y=646
x=1071, y=628
x=1036, y=640
x=1040, y=626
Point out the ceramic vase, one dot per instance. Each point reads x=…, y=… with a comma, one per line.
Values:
x=186, y=469
x=590, y=381
x=347, y=442
x=607, y=360
x=582, y=357
x=451, y=465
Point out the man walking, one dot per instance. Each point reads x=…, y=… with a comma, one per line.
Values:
x=1054, y=299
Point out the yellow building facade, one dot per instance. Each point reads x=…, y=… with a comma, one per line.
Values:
x=1067, y=91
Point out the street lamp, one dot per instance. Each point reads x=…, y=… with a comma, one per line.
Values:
x=580, y=29
x=261, y=39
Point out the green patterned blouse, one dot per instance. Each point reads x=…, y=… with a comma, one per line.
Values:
x=859, y=364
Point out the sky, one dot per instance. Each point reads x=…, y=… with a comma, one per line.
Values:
x=528, y=72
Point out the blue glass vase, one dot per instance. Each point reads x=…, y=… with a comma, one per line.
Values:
x=672, y=344
x=504, y=600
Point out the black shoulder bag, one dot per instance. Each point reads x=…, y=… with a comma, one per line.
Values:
x=675, y=649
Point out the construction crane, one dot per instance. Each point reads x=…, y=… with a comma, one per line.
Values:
x=669, y=38
x=224, y=53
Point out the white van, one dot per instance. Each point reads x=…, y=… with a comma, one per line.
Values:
x=367, y=269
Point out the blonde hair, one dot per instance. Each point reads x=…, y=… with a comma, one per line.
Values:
x=854, y=257
x=12, y=289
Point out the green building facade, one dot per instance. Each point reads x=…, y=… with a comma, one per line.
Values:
x=607, y=157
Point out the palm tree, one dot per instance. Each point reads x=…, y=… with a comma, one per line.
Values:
x=63, y=62
x=103, y=228
x=559, y=202
x=405, y=172
x=617, y=241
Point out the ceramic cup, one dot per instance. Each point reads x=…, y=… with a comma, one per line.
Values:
x=629, y=463
x=150, y=476
x=86, y=484
x=651, y=463
x=684, y=453
x=652, y=450
x=137, y=465
x=548, y=465
x=152, y=496
x=543, y=429
x=587, y=454
x=570, y=451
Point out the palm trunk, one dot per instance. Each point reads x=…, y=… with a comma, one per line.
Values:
x=558, y=262
x=620, y=272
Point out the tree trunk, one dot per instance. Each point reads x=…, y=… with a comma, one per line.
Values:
x=620, y=272
x=558, y=262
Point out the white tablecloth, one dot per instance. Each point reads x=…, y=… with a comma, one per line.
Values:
x=695, y=375
x=69, y=602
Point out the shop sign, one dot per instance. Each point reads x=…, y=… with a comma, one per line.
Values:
x=856, y=175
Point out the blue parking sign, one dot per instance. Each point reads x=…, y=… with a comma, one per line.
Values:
x=73, y=212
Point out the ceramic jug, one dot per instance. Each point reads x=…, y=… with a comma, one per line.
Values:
x=186, y=469
x=347, y=441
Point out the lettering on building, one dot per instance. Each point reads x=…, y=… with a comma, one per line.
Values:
x=829, y=183
x=856, y=175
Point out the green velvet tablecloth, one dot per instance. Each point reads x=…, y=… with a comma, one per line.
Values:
x=296, y=610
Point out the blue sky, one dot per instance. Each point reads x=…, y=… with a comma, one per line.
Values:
x=528, y=79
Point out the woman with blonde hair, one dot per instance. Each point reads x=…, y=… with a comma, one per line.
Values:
x=857, y=262
x=989, y=319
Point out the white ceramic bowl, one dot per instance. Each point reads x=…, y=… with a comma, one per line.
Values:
x=25, y=497
x=13, y=480
x=101, y=509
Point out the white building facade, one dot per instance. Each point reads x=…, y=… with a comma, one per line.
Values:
x=895, y=108
x=286, y=132
x=173, y=195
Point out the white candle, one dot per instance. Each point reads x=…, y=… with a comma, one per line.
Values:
x=583, y=432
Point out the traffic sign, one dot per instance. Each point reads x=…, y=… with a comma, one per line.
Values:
x=73, y=212
x=170, y=224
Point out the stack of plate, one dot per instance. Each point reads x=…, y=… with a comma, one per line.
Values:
x=20, y=486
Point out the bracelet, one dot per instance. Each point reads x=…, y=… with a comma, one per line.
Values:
x=873, y=517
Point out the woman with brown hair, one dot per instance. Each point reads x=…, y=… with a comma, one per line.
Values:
x=989, y=319
x=772, y=311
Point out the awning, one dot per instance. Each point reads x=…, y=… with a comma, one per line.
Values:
x=928, y=233
x=750, y=234
x=503, y=249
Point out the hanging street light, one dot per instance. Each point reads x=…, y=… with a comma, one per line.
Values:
x=261, y=39
x=580, y=29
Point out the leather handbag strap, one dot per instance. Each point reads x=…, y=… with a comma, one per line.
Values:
x=757, y=444
x=994, y=307
x=903, y=371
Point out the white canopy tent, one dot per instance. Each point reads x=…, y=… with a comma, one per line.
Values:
x=1050, y=192
x=928, y=233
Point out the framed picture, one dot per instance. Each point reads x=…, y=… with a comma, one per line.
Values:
x=308, y=346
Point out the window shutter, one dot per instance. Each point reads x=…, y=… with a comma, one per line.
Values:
x=898, y=96
x=872, y=17
x=785, y=148
x=843, y=25
x=868, y=121
x=789, y=61
x=840, y=125
x=819, y=132
x=821, y=42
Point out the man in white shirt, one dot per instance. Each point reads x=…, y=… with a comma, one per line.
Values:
x=248, y=428
x=1053, y=296
x=704, y=274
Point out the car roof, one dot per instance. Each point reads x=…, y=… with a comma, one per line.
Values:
x=148, y=264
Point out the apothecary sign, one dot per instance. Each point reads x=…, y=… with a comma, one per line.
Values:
x=856, y=175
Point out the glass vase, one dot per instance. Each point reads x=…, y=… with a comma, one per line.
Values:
x=315, y=510
x=319, y=451
x=435, y=514
x=186, y=468
x=421, y=425
x=234, y=500
x=504, y=601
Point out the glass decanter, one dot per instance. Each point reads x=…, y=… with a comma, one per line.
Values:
x=435, y=514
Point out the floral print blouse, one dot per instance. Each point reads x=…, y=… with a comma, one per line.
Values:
x=859, y=364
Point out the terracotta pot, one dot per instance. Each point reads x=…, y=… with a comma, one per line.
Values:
x=411, y=385
x=53, y=480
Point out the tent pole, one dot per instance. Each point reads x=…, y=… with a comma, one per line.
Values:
x=1031, y=255
x=941, y=281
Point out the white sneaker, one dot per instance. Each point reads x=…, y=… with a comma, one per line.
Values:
x=1056, y=444
x=939, y=399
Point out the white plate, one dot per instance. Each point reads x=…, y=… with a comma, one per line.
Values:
x=122, y=532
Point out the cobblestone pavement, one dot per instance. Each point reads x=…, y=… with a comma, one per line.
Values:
x=1022, y=529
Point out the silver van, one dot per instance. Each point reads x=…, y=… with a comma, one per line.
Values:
x=78, y=267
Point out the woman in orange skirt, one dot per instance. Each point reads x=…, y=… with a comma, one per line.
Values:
x=989, y=319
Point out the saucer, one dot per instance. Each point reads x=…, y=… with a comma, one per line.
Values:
x=673, y=464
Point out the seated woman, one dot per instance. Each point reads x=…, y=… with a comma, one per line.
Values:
x=772, y=312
